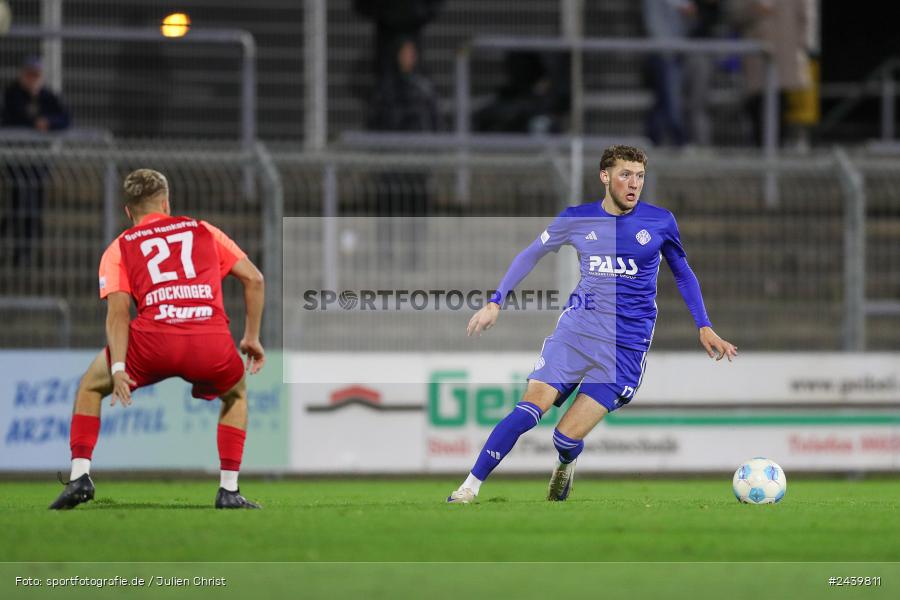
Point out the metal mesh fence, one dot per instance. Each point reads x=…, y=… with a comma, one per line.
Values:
x=57, y=223
x=13, y=51
x=618, y=94
x=184, y=89
x=419, y=208
x=882, y=248
x=170, y=90
x=773, y=271
x=351, y=50
x=775, y=265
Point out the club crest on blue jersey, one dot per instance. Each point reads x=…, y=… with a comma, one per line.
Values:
x=643, y=237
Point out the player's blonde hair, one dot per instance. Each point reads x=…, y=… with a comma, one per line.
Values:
x=621, y=152
x=142, y=185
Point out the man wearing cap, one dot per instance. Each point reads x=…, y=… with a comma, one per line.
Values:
x=28, y=104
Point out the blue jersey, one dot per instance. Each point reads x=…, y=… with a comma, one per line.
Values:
x=619, y=256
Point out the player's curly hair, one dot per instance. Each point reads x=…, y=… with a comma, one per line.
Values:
x=620, y=152
x=143, y=184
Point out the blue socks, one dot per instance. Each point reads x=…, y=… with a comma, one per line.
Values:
x=504, y=436
x=568, y=448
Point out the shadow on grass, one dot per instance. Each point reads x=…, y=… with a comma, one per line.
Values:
x=110, y=504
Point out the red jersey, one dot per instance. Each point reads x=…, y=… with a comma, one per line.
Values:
x=173, y=268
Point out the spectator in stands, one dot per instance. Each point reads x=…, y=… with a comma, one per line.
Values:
x=667, y=20
x=405, y=101
x=529, y=101
x=784, y=26
x=396, y=22
x=703, y=24
x=28, y=104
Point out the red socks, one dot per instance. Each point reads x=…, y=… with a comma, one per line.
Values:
x=231, y=447
x=83, y=435
x=85, y=430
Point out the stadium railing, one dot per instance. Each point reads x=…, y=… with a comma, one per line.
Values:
x=628, y=46
x=881, y=82
x=612, y=46
x=82, y=212
x=133, y=35
x=816, y=271
x=879, y=291
x=792, y=269
x=42, y=304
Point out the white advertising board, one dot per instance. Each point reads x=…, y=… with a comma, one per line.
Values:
x=807, y=411
x=165, y=428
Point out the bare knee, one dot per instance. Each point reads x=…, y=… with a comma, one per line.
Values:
x=541, y=394
x=94, y=385
x=234, y=401
x=238, y=393
x=571, y=429
x=581, y=418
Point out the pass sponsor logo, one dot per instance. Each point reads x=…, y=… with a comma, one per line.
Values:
x=612, y=265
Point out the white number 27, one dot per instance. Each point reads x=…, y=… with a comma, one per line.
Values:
x=186, y=239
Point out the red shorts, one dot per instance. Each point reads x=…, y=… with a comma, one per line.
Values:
x=209, y=361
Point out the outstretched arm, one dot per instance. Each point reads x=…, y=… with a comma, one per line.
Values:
x=689, y=287
x=118, y=317
x=520, y=267
x=254, y=298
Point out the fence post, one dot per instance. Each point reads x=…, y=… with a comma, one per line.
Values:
x=248, y=113
x=463, y=125
x=572, y=12
x=315, y=23
x=568, y=270
x=854, y=253
x=887, y=104
x=272, y=213
x=110, y=189
x=329, y=228
x=51, y=49
x=771, y=125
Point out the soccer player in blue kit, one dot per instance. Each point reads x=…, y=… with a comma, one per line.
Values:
x=602, y=338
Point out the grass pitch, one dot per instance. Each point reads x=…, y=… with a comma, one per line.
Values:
x=360, y=520
x=688, y=528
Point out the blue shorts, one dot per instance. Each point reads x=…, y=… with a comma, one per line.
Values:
x=607, y=373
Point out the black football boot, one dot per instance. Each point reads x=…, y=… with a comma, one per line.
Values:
x=226, y=499
x=77, y=491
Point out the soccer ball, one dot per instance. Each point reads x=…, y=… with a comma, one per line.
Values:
x=759, y=481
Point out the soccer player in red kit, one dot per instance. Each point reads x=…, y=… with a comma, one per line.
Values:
x=172, y=267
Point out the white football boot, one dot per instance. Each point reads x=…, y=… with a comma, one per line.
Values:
x=562, y=481
x=462, y=496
